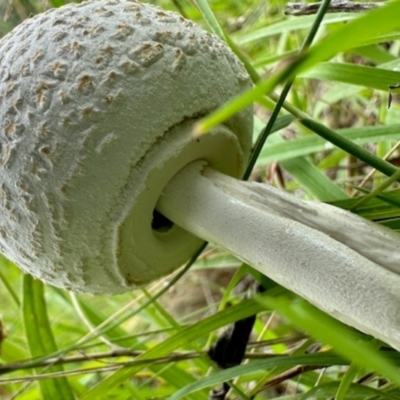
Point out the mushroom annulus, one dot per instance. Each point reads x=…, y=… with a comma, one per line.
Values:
x=104, y=187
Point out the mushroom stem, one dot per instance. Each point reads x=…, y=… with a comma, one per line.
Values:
x=342, y=264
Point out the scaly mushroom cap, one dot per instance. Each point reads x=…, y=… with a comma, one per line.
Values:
x=97, y=104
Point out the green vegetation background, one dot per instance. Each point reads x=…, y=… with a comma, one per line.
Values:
x=333, y=130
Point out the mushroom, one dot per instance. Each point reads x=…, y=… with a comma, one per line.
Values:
x=104, y=187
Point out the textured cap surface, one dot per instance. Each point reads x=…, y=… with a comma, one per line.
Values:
x=97, y=101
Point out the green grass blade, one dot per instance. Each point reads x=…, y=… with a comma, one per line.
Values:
x=209, y=17
x=305, y=145
x=13, y=294
x=57, y=3
x=349, y=376
x=234, y=106
x=11, y=352
x=282, y=97
x=174, y=375
x=40, y=337
x=95, y=317
x=304, y=172
x=376, y=54
x=312, y=179
x=379, y=208
x=377, y=191
x=254, y=366
x=289, y=25
x=324, y=327
x=355, y=34
x=361, y=75
x=346, y=382
x=184, y=335
x=355, y=392
x=350, y=147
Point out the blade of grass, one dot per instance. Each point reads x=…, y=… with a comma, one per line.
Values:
x=4, y=280
x=91, y=336
x=95, y=317
x=350, y=147
x=307, y=144
x=219, y=377
x=11, y=352
x=355, y=392
x=264, y=60
x=311, y=178
x=361, y=75
x=40, y=338
x=349, y=376
x=277, y=109
x=57, y=3
x=184, y=335
x=209, y=17
x=384, y=185
x=306, y=174
x=324, y=327
x=380, y=208
x=395, y=202
x=289, y=25
x=346, y=382
x=156, y=296
x=274, y=372
x=355, y=34
x=174, y=375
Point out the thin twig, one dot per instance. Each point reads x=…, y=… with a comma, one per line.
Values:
x=337, y=6
x=102, y=356
x=111, y=367
x=174, y=357
x=16, y=366
x=290, y=374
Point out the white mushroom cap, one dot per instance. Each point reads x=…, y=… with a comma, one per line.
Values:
x=97, y=102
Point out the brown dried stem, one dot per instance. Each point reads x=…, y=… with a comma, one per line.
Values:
x=336, y=6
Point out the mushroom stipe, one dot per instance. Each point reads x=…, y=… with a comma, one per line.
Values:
x=104, y=188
